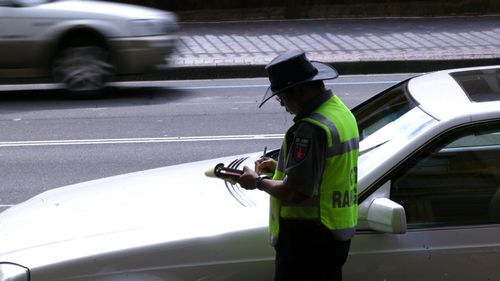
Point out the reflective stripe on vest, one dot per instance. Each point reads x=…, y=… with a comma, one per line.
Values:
x=342, y=147
x=335, y=204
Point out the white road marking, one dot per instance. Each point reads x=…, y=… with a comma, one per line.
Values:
x=180, y=85
x=267, y=85
x=139, y=140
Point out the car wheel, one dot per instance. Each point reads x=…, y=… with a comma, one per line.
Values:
x=83, y=69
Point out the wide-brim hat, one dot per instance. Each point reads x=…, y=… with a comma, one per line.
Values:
x=293, y=68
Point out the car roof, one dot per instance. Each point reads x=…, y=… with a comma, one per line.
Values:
x=451, y=93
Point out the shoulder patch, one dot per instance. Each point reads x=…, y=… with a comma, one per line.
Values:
x=300, y=149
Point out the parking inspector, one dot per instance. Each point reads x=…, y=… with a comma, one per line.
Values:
x=314, y=210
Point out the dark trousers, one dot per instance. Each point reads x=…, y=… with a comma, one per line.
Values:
x=306, y=251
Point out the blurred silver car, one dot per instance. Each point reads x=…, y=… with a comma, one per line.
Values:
x=83, y=44
x=429, y=203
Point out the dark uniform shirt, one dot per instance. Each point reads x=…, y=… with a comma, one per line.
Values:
x=307, y=153
x=306, y=249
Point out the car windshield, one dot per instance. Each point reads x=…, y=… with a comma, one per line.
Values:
x=383, y=109
x=391, y=117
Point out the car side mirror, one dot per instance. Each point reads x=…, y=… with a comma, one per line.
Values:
x=387, y=216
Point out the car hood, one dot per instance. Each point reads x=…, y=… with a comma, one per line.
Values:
x=108, y=8
x=176, y=203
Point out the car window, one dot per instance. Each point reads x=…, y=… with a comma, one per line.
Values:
x=34, y=2
x=383, y=109
x=480, y=85
x=21, y=3
x=456, y=182
x=5, y=3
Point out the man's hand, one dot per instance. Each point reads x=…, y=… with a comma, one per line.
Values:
x=248, y=178
x=276, y=188
x=265, y=165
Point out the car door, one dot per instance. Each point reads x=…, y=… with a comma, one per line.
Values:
x=22, y=25
x=450, y=191
x=4, y=8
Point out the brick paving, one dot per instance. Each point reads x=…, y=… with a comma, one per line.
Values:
x=340, y=40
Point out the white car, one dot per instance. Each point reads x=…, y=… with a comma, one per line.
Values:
x=429, y=203
x=83, y=44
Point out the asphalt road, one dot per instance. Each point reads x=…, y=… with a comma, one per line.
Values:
x=48, y=139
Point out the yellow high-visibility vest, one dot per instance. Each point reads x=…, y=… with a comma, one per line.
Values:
x=335, y=203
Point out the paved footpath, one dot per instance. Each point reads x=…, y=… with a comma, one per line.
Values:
x=353, y=45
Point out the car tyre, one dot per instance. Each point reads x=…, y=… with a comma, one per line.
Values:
x=83, y=69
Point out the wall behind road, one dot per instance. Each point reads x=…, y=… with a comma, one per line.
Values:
x=223, y=10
